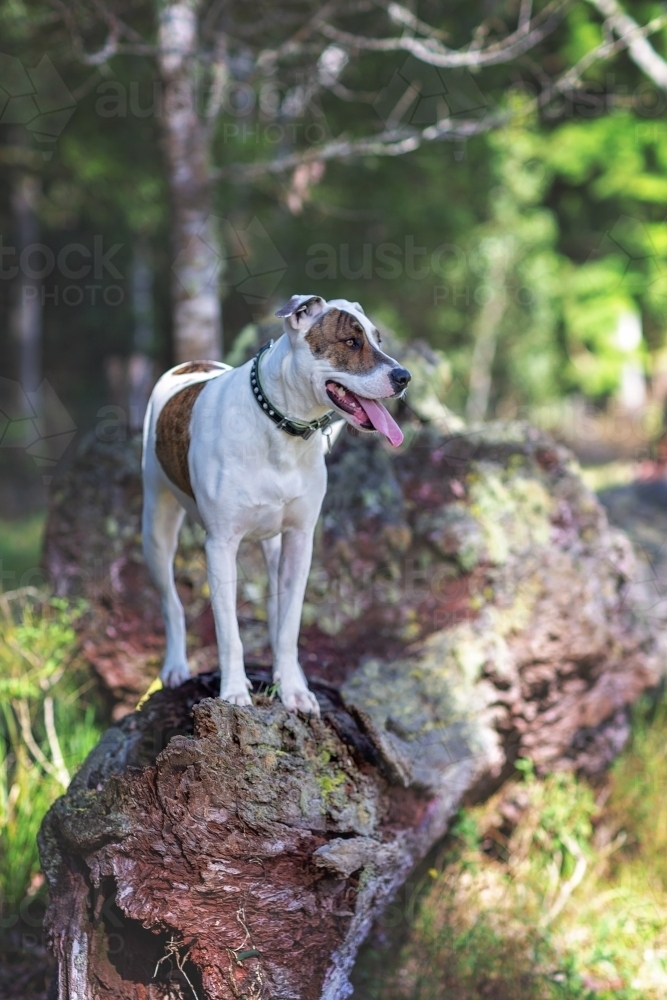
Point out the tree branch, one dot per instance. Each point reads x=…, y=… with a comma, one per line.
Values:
x=295, y=45
x=112, y=46
x=397, y=141
x=639, y=48
x=401, y=15
x=391, y=142
x=525, y=14
x=435, y=54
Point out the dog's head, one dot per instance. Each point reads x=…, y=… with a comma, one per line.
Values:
x=349, y=371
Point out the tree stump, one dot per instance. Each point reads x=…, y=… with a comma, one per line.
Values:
x=468, y=605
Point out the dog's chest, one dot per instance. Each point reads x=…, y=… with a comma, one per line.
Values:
x=259, y=490
x=245, y=471
x=284, y=484
x=278, y=500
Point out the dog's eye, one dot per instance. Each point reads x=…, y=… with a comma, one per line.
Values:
x=352, y=342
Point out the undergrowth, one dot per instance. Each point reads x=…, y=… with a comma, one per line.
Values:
x=47, y=727
x=20, y=547
x=552, y=890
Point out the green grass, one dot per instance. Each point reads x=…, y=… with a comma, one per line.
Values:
x=20, y=549
x=48, y=725
x=565, y=900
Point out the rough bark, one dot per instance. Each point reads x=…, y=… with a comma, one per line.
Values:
x=187, y=138
x=468, y=604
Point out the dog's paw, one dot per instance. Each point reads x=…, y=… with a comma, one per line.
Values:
x=237, y=697
x=300, y=700
x=174, y=674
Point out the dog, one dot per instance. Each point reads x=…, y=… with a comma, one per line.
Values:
x=241, y=451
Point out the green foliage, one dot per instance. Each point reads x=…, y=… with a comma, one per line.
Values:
x=638, y=806
x=560, y=215
x=20, y=544
x=550, y=891
x=47, y=727
x=614, y=196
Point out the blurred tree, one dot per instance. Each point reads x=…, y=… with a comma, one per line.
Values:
x=557, y=180
x=27, y=311
x=300, y=56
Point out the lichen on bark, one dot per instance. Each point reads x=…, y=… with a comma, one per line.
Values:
x=468, y=604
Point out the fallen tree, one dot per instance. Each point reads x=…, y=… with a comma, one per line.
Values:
x=468, y=605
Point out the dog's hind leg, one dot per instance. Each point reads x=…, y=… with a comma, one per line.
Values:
x=161, y=522
x=271, y=549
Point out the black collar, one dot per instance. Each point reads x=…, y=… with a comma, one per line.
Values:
x=284, y=423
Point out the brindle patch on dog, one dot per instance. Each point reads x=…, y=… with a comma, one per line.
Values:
x=192, y=367
x=172, y=436
x=328, y=338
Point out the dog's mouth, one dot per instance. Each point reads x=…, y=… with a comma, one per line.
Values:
x=367, y=414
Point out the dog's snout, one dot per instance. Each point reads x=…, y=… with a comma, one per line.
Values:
x=400, y=378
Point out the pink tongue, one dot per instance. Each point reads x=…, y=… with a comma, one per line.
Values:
x=382, y=420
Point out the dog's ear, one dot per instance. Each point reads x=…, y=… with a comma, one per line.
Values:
x=302, y=310
x=357, y=305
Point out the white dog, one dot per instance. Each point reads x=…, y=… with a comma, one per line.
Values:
x=239, y=450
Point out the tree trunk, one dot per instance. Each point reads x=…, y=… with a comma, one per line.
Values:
x=26, y=320
x=187, y=138
x=141, y=367
x=487, y=328
x=468, y=604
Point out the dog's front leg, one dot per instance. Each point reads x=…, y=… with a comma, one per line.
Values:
x=271, y=549
x=221, y=561
x=295, y=558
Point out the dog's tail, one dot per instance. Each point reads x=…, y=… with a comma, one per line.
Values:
x=145, y=431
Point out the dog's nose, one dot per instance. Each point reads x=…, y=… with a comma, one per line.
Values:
x=400, y=378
